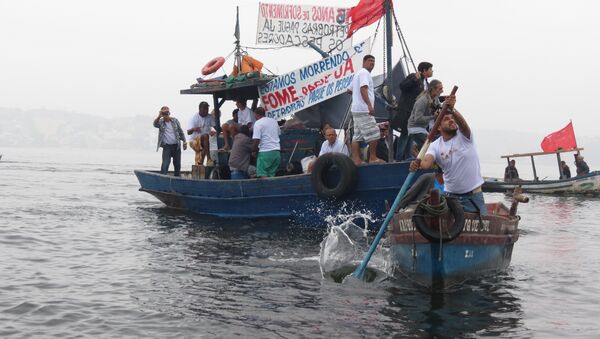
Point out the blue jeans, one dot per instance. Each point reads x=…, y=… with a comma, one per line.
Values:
x=471, y=202
x=239, y=175
x=403, y=147
x=171, y=151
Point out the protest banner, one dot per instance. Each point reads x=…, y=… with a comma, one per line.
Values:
x=311, y=84
x=295, y=25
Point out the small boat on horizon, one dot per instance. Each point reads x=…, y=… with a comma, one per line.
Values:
x=586, y=184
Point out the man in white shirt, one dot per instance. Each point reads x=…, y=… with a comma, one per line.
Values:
x=363, y=111
x=245, y=116
x=170, y=136
x=266, y=142
x=455, y=152
x=331, y=145
x=199, y=129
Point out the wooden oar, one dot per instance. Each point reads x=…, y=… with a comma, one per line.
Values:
x=360, y=270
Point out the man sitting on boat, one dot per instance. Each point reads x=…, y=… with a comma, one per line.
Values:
x=199, y=129
x=332, y=145
x=241, y=153
x=265, y=136
x=582, y=166
x=456, y=154
x=245, y=116
x=510, y=172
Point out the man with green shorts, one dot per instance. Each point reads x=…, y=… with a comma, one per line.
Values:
x=266, y=141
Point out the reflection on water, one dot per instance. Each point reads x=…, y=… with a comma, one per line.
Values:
x=85, y=254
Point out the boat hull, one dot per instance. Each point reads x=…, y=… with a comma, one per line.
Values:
x=586, y=185
x=480, y=249
x=291, y=196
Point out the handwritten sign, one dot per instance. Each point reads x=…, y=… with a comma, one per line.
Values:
x=289, y=25
x=311, y=84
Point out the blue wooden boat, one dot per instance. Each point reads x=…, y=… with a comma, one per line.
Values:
x=440, y=252
x=292, y=196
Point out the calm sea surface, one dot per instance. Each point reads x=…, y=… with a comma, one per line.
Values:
x=85, y=254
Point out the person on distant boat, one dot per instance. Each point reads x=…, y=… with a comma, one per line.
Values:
x=199, y=129
x=170, y=136
x=245, y=116
x=565, y=170
x=582, y=166
x=363, y=111
x=424, y=112
x=265, y=136
x=241, y=153
x=411, y=87
x=456, y=154
x=510, y=172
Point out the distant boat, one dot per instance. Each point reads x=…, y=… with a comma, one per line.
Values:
x=588, y=184
x=439, y=252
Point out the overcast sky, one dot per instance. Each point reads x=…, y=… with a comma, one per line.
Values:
x=523, y=65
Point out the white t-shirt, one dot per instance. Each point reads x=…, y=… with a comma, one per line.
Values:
x=362, y=78
x=169, y=138
x=246, y=116
x=205, y=123
x=337, y=147
x=267, y=131
x=460, y=162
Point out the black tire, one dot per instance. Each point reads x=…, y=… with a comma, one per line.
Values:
x=434, y=235
x=347, y=172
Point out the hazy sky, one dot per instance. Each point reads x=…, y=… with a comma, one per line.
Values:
x=520, y=64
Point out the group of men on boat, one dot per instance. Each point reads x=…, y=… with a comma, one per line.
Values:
x=253, y=133
x=511, y=174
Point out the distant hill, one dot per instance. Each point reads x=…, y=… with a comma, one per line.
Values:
x=52, y=128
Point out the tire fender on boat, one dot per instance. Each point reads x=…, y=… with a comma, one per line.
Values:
x=345, y=167
x=434, y=235
x=213, y=65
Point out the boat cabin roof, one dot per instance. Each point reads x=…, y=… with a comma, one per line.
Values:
x=247, y=90
x=517, y=155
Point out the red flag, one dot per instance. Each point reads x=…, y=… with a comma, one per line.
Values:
x=365, y=13
x=563, y=139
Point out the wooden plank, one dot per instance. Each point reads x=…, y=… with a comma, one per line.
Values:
x=517, y=155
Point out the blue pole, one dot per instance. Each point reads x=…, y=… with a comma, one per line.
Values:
x=360, y=270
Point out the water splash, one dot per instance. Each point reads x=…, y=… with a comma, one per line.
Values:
x=345, y=245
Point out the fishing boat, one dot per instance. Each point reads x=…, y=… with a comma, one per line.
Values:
x=336, y=184
x=587, y=184
x=440, y=250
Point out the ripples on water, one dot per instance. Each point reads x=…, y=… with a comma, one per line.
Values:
x=85, y=254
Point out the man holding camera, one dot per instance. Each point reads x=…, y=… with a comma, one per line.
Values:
x=170, y=136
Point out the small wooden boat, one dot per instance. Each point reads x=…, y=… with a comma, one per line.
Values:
x=445, y=250
x=588, y=184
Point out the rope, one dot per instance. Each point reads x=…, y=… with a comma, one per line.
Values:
x=403, y=42
x=434, y=210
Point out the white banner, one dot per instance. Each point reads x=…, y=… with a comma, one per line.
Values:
x=287, y=25
x=311, y=84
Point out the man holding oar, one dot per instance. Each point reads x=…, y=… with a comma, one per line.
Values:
x=455, y=152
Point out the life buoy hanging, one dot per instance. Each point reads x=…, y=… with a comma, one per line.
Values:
x=434, y=235
x=347, y=175
x=213, y=65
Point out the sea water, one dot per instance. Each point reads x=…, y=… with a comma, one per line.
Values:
x=85, y=254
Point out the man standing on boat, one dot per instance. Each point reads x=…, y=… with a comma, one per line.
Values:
x=170, y=136
x=411, y=87
x=510, y=172
x=456, y=154
x=266, y=142
x=199, y=129
x=423, y=113
x=565, y=170
x=363, y=111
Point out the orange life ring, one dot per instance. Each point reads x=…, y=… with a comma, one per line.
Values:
x=213, y=65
